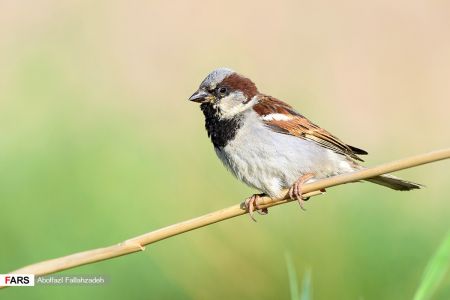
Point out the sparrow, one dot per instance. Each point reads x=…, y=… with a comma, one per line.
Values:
x=270, y=146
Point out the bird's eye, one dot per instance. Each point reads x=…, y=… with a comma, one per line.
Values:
x=222, y=91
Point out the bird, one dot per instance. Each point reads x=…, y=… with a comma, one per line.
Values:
x=270, y=146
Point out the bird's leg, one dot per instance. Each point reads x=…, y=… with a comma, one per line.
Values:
x=295, y=192
x=250, y=205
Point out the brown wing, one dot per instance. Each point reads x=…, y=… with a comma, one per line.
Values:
x=287, y=121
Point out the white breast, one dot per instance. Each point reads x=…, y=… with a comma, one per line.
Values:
x=271, y=161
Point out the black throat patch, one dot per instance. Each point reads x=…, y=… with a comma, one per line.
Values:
x=221, y=131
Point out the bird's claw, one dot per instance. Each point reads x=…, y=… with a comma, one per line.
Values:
x=251, y=205
x=295, y=192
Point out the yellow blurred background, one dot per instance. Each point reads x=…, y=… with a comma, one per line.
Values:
x=98, y=143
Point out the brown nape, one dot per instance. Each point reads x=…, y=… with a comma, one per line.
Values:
x=241, y=83
x=269, y=105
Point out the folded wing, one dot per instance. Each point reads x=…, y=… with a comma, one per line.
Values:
x=282, y=118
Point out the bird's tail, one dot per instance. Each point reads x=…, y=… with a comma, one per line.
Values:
x=394, y=183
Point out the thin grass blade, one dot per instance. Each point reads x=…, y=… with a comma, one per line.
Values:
x=435, y=271
x=306, y=286
x=292, y=275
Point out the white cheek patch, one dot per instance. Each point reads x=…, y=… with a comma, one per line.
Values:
x=234, y=104
x=276, y=117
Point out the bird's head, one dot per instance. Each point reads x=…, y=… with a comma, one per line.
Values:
x=226, y=91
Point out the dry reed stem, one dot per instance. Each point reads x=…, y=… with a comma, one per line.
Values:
x=137, y=243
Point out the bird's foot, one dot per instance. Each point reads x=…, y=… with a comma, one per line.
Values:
x=251, y=205
x=295, y=192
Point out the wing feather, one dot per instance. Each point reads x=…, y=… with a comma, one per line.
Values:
x=297, y=125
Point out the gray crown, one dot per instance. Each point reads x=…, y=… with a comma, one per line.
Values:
x=216, y=77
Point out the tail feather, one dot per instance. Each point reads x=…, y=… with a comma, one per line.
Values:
x=395, y=183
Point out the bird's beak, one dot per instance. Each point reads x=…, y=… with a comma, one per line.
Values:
x=201, y=96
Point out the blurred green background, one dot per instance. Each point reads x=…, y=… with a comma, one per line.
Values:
x=98, y=143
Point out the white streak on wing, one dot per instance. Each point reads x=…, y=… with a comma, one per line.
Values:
x=276, y=117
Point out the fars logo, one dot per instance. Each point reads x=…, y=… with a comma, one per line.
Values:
x=16, y=280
